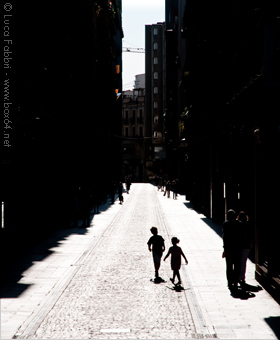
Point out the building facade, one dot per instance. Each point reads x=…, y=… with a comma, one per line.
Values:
x=140, y=81
x=65, y=112
x=227, y=67
x=133, y=134
x=155, y=96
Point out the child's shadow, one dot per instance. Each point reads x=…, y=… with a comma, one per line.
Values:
x=158, y=280
x=177, y=288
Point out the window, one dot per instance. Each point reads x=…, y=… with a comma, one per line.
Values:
x=159, y=152
x=155, y=75
x=155, y=105
x=155, y=90
x=132, y=119
x=155, y=134
x=155, y=31
x=155, y=46
x=140, y=118
x=133, y=131
x=126, y=132
x=155, y=60
x=156, y=119
x=141, y=131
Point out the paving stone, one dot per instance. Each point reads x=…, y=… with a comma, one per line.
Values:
x=103, y=289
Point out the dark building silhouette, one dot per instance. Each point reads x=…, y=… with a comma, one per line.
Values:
x=155, y=100
x=66, y=74
x=172, y=66
x=225, y=85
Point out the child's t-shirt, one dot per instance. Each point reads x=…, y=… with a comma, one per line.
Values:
x=157, y=242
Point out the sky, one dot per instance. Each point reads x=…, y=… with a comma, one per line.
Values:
x=135, y=15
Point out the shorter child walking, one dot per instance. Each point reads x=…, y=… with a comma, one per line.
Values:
x=176, y=253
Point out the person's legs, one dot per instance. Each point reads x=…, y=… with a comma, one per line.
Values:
x=179, y=277
x=177, y=273
x=157, y=259
x=237, y=267
x=229, y=270
x=157, y=266
x=245, y=254
x=173, y=279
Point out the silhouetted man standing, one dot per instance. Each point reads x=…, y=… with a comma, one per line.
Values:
x=232, y=248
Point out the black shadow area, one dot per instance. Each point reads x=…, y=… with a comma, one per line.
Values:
x=274, y=323
x=23, y=259
x=218, y=228
x=177, y=288
x=19, y=251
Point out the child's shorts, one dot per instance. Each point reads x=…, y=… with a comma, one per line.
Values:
x=157, y=257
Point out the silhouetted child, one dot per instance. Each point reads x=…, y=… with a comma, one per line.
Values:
x=158, y=248
x=176, y=253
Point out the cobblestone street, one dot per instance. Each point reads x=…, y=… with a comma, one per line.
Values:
x=98, y=284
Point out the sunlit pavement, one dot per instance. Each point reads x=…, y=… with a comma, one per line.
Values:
x=96, y=282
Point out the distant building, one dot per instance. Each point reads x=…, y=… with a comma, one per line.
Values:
x=140, y=81
x=155, y=96
x=133, y=132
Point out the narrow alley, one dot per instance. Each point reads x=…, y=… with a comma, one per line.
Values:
x=96, y=283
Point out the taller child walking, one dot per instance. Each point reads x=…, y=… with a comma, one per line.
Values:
x=156, y=245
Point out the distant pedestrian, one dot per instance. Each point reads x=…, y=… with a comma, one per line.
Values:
x=156, y=181
x=246, y=244
x=232, y=249
x=160, y=183
x=168, y=188
x=174, y=189
x=157, y=246
x=176, y=253
x=127, y=183
x=120, y=192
